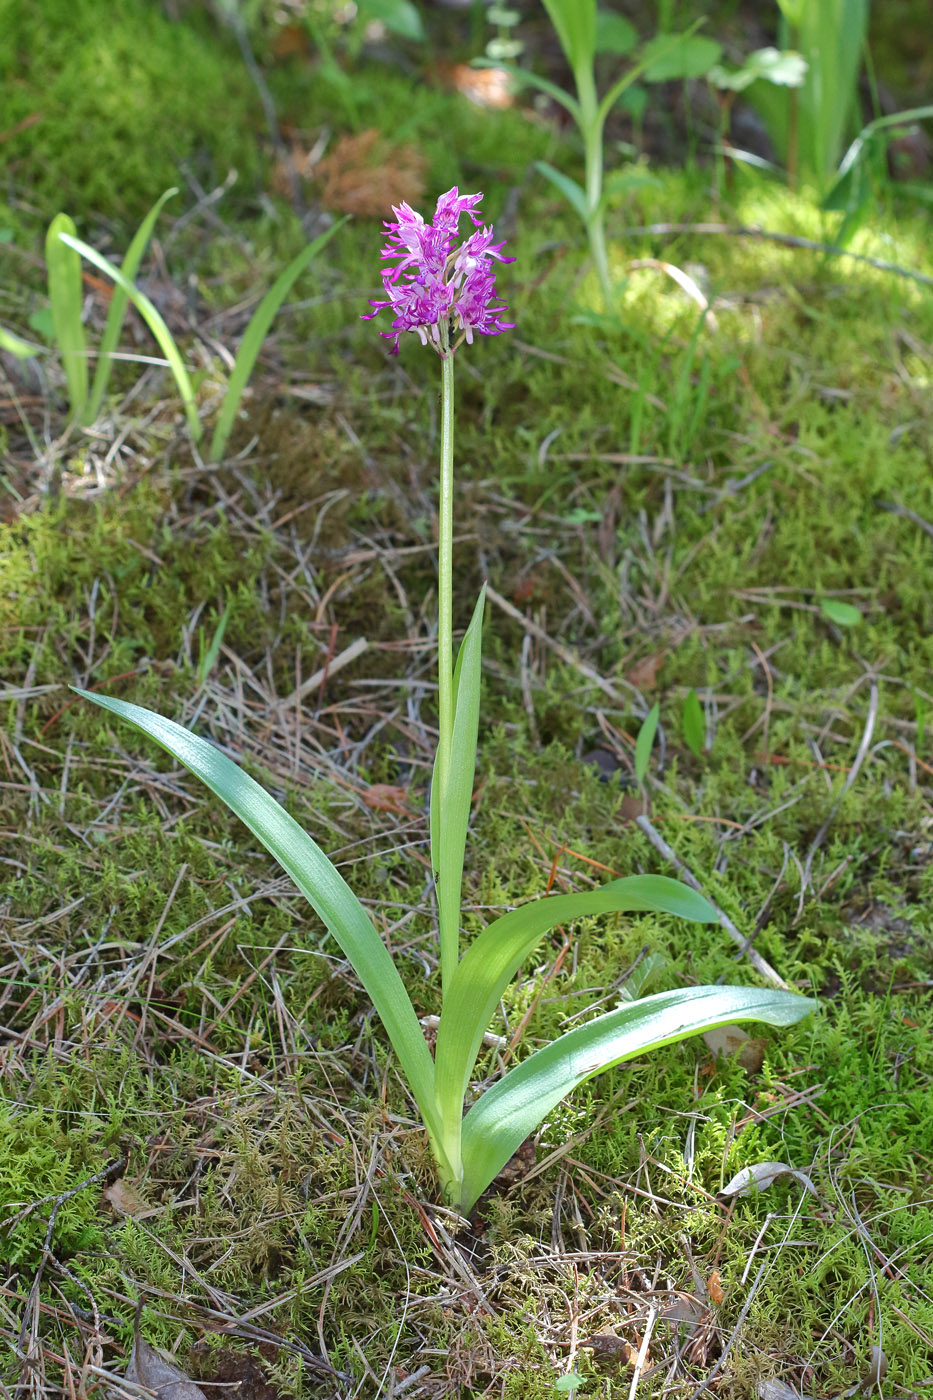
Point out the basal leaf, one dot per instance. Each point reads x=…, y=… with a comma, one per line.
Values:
x=512, y=1109
x=316, y=877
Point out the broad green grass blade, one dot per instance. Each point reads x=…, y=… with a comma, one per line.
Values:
x=255, y=334
x=575, y=24
x=63, y=269
x=492, y=959
x=115, y=315
x=155, y=323
x=450, y=810
x=513, y=1108
x=316, y=877
x=832, y=37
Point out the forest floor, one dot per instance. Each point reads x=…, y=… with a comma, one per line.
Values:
x=199, y=1113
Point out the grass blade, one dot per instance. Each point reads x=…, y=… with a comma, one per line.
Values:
x=316, y=877
x=255, y=334
x=644, y=742
x=155, y=323
x=63, y=269
x=117, y=309
x=572, y=192
x=513, y=1108
x=15, y=345
x=491, y=961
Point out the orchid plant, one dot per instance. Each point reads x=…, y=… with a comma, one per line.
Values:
x=444, y=291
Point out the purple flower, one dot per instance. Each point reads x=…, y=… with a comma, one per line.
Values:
x=435, y=288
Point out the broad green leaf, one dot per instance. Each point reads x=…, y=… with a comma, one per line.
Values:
x=575, y=23
x=792, y=10
x=492, y=959
x=41, y=322
x=15, y=345
x=644, y=742
x=570, y=1382
x=843, y=614
x=831, y=36
x=63, y=269
x=255, y=334
x=316, y=877
x=513, y=1108
x=401, y=17
x=614, y=34
x=450, y=810
x=671, y=56
x=117, y=311
x=569, y=188
x=155, y=323
x=694, y=725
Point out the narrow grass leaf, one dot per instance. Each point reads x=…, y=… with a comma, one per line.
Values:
x=15, y=345
x=513, y=1108
x=450, y=810
x=117, y=312
x=694, y=725
x=255, y=334
x=492, y=959
x=63, y=269
x=316, y=877
x=523, y=75
x=208, y=657
x=645, y=742
x=572, y=192
x=155, y=323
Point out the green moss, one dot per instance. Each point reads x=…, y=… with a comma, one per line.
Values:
x=112, y=98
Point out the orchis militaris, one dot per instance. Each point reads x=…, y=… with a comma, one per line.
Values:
x=444, y=292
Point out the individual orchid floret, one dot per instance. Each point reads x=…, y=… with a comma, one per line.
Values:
x=442, y=292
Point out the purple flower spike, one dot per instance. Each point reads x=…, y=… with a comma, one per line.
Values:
x=441, y=292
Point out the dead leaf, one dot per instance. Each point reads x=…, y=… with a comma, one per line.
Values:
x=714, y=1287
x=686, y=1311
x=365, y=174
x=877, y=1369
x=383, y=797
x=291, y=41
x=778, y=1390
x=147, y=1368
x=606, y=763
x=644, y=674
x=609, y=1346
x=733, y=1041
x=485, y=87
x=123, y=1197
x=760, y=1176
x=630, y=807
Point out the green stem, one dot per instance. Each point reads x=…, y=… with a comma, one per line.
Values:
x=591, y=126
x=445, y=638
